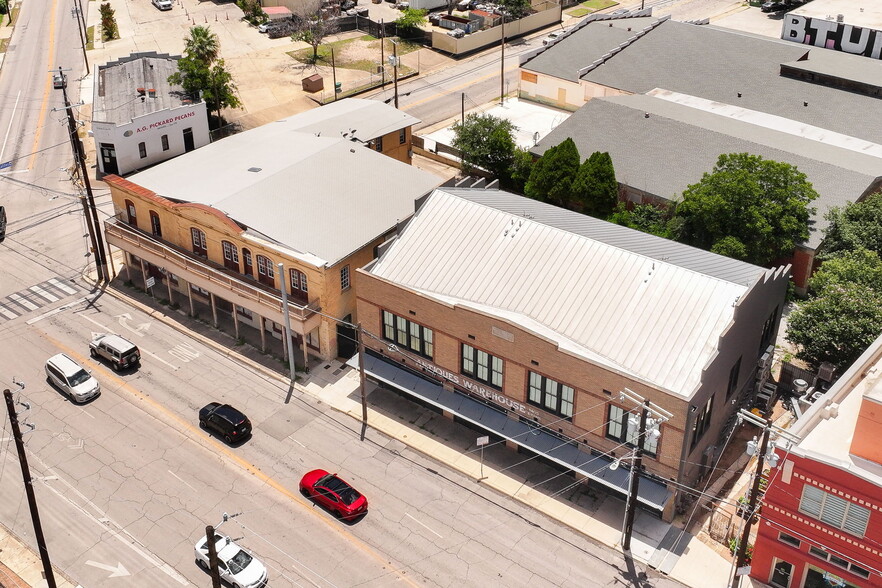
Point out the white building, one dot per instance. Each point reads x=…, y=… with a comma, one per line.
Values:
x=841, y=25
x=139, y=119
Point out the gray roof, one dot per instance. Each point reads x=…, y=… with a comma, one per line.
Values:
x=678, y=142
x=116, y=98
x=352, y=118
x=717, y=64
x=653, y=319
x=698, y=260
x=322, y=197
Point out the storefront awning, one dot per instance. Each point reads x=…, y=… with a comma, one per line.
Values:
x=595, y=467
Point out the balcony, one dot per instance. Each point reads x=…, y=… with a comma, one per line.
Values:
x=210, y=276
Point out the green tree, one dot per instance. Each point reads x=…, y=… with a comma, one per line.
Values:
x=515, y=9
x=202, y=44
x=551, y=178
x=485, y=142
x=521, y=166
x=642, y=217
x=213, y=82
x=853, y=226
x=410, y=21
x=762, y=204
x=312, y=28
x=862, y=267
x=595, y=185
x=109, y=28
x=837, y=325
x=252, y=11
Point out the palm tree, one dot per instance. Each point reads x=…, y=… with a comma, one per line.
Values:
x=202, y=44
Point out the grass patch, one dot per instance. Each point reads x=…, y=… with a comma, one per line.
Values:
x=368, y=42
x=90, y=38
x=578, y=12
x=590, y=6
x=3, y=44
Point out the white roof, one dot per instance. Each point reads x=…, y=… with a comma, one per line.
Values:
x=827, y=438
x=321, y=196
x=351, y=118
x=648, y=318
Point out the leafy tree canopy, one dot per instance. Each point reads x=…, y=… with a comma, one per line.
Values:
x=551, y=179
x=515, y=8
x=486, y=142
x=642, y=217
x=854, y=226
x=595, y=186
x=410, y=20
x=202, y=44
x=253, y=11
x=312, y=27
x=759, y=206
x=837, y=325
x=862, y=267
x=212, y=82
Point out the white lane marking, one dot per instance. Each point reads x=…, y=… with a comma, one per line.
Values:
x=61, y=285
x=9, y=128
x=424, y=526
x=153, y=355
x=43, y=293
x=55, y=311
x=115, y=571
x=7, y=313
x=26, y=303
x=106, y=524
x=299, y=443
x=181, y=480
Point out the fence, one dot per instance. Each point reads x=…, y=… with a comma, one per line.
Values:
x=790, y=372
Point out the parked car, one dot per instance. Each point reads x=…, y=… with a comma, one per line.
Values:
x=162, y=4
x=70, y=377
x=237, y=567
x=284, y=28
x=773, y=6
x=121, y=353
x=552, y=37
x=266, y=26
x=225, y=421
x=456, y=33
x=620, y=12
x=59, y=80
x=334, y=494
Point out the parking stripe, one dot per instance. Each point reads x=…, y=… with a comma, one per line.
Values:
x=22, y=302
x=62, y=286
x=41, y=292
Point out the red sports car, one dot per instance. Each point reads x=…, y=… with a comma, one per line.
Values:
x=334, y=494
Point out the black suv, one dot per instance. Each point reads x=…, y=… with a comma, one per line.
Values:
x=225, y=421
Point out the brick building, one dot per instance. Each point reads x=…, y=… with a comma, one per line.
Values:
x=527, y=321
x=821, y=520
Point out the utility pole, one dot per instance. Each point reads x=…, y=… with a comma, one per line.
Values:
x=334, y=73
x=29, y=489
x=502, y=63
x=361, y=375
x=382, y=57
x=395, y=70
x=212, y=558
x=462, y=106
x=634, y=479
x=81, y=29
x=80, y=159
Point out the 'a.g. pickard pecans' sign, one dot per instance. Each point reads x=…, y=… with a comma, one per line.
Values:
x=162, y=123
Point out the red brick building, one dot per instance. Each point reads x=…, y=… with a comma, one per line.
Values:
x=821, y=524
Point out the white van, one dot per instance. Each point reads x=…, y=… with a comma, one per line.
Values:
x=70, y=377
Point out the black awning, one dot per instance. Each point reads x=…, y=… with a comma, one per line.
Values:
x=596, y=467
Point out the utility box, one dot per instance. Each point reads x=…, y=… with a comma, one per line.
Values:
x=314, y=83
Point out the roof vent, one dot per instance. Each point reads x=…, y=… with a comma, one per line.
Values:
x=141, y=91
x=254, y=169
x=152, y=92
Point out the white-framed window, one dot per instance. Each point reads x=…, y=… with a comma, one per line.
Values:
x=617, y=428
x=550, y=395
x=231, y=252
x=142, y=150
x=344, y=278
x=839, y=562
x=834, y=510
x=482, y=366
x=789, y=540
x=265, y=267
x=402, y=136
x=409, y=334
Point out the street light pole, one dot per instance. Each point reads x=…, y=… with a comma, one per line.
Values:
x=502, y=63
x=741, y=557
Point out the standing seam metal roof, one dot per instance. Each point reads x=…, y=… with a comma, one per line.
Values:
x=652, y=319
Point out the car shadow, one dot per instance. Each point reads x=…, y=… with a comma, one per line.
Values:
x=235, y=443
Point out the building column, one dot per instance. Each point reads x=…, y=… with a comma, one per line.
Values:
x=285, y=344
x=236, y=321
x=168, y=276
x=144, y=277
x=305, y=356
x=262, y=333
x=213, y=308
x=190, y=296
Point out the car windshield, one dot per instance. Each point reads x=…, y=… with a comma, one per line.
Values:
x=80, y=377
x=239, y=562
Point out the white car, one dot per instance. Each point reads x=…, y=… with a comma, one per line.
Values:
x=552, y=37
x=238, y=568
x=265, y=26
x=162, y=4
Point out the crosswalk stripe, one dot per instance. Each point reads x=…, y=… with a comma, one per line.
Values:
x=23, y=302
x=61, y=286
x=7, y=313
x=41, y=292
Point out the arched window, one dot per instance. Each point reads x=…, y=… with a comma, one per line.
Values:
x=299, y=289
x=248, y=270
x=155, y=227
x=130, y=213
x=265, y=271
x=199, y=244
x=231, y=256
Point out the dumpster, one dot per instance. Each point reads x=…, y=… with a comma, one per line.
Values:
x=314, y=83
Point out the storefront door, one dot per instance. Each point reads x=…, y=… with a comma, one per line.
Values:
x=781, y=574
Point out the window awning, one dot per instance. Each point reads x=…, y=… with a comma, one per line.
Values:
x=595, y=467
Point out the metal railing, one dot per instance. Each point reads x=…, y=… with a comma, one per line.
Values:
x=119, y=233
